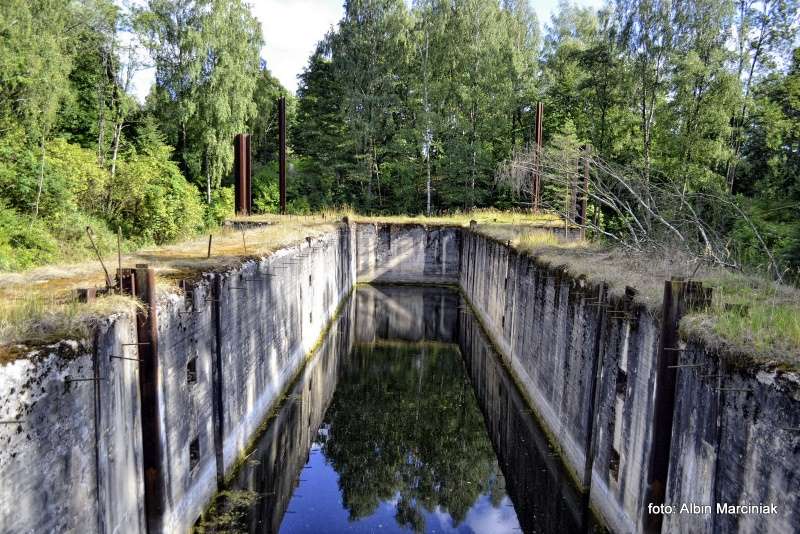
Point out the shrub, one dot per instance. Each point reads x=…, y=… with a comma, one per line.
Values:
x=151, y=200
x=24, y=242
x=222, y=205
x=266, y=193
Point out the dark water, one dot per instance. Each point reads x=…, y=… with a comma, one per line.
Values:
x=403, y=422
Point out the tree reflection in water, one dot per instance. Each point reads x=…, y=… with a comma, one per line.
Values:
x=390, y=436
x=404, y=426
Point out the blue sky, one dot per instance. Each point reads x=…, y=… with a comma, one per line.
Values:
x=292, y=28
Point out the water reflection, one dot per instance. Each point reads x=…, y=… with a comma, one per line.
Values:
x=386, y=431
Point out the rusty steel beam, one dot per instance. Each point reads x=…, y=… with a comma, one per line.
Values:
x=126, y=281
x=664, y=405
x=217, y=408
x=536, y=185
x=147, y=337
x=680, y=298
x=282, y=152
x=88, y=294
x=242, y=174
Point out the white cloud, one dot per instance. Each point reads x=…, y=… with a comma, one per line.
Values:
x=292, y=29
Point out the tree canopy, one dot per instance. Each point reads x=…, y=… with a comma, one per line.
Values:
x=400, y=109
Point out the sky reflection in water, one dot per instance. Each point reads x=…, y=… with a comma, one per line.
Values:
x=408, y=453
x=404, y=421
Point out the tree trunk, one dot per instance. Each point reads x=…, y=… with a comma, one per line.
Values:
x=208, y=178
x=41, y=182
x=428, y=184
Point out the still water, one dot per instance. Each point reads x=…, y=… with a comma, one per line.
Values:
x=404, y=421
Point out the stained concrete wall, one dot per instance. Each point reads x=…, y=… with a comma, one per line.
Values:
x=282, y=451
x=543, y=494
x=543, y=327
x=75, y=461
x=734, y=437
x=409, y=253
x=272, y=312
x=72, y=463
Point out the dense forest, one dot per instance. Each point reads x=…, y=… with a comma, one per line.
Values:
x=399, y=110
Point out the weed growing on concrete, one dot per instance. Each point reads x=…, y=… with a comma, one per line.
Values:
x=37, y=319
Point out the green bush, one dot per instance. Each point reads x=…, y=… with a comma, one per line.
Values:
x=148, y=198
x=266, y=193
x=222, y=206
x=776, y=232
x=298, y=206
x=151, y=200
x=24, y=242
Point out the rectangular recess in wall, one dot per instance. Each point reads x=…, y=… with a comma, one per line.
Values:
x=194, y=453
x=622, y=382
x=191, y=371
x=613, y=464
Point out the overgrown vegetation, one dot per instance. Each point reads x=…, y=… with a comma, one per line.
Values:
x=404, y=110
x=698, y=98
x=38, y=319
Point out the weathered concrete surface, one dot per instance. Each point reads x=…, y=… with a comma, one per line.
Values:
x=72, y=464
x=544, y=496
x=281, y=452
x=410, y=253
x=75, y=463
x=734, y=436
x=736, y=440
x=271, y=312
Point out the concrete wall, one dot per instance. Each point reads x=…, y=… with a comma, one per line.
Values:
x=75, y=462
x=282, y=450
x=272, y=312
x=72, y=464
x=545, y=499
x=412, y=253
x=735, y=437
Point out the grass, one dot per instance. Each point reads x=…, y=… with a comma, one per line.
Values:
x=228, y=512
x=38, y=306
x=749, y=315
x=752, y=319
x=481, y=216
x=36, y=319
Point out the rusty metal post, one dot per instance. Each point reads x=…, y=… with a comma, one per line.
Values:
x=664, y=405
x=282, y=152
x=217, y=411
x=537, y=179
x=126, y=281
x=249, y=177
x=680, y=297
x=242, y=178
x=85, y=295
x=147, y=337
